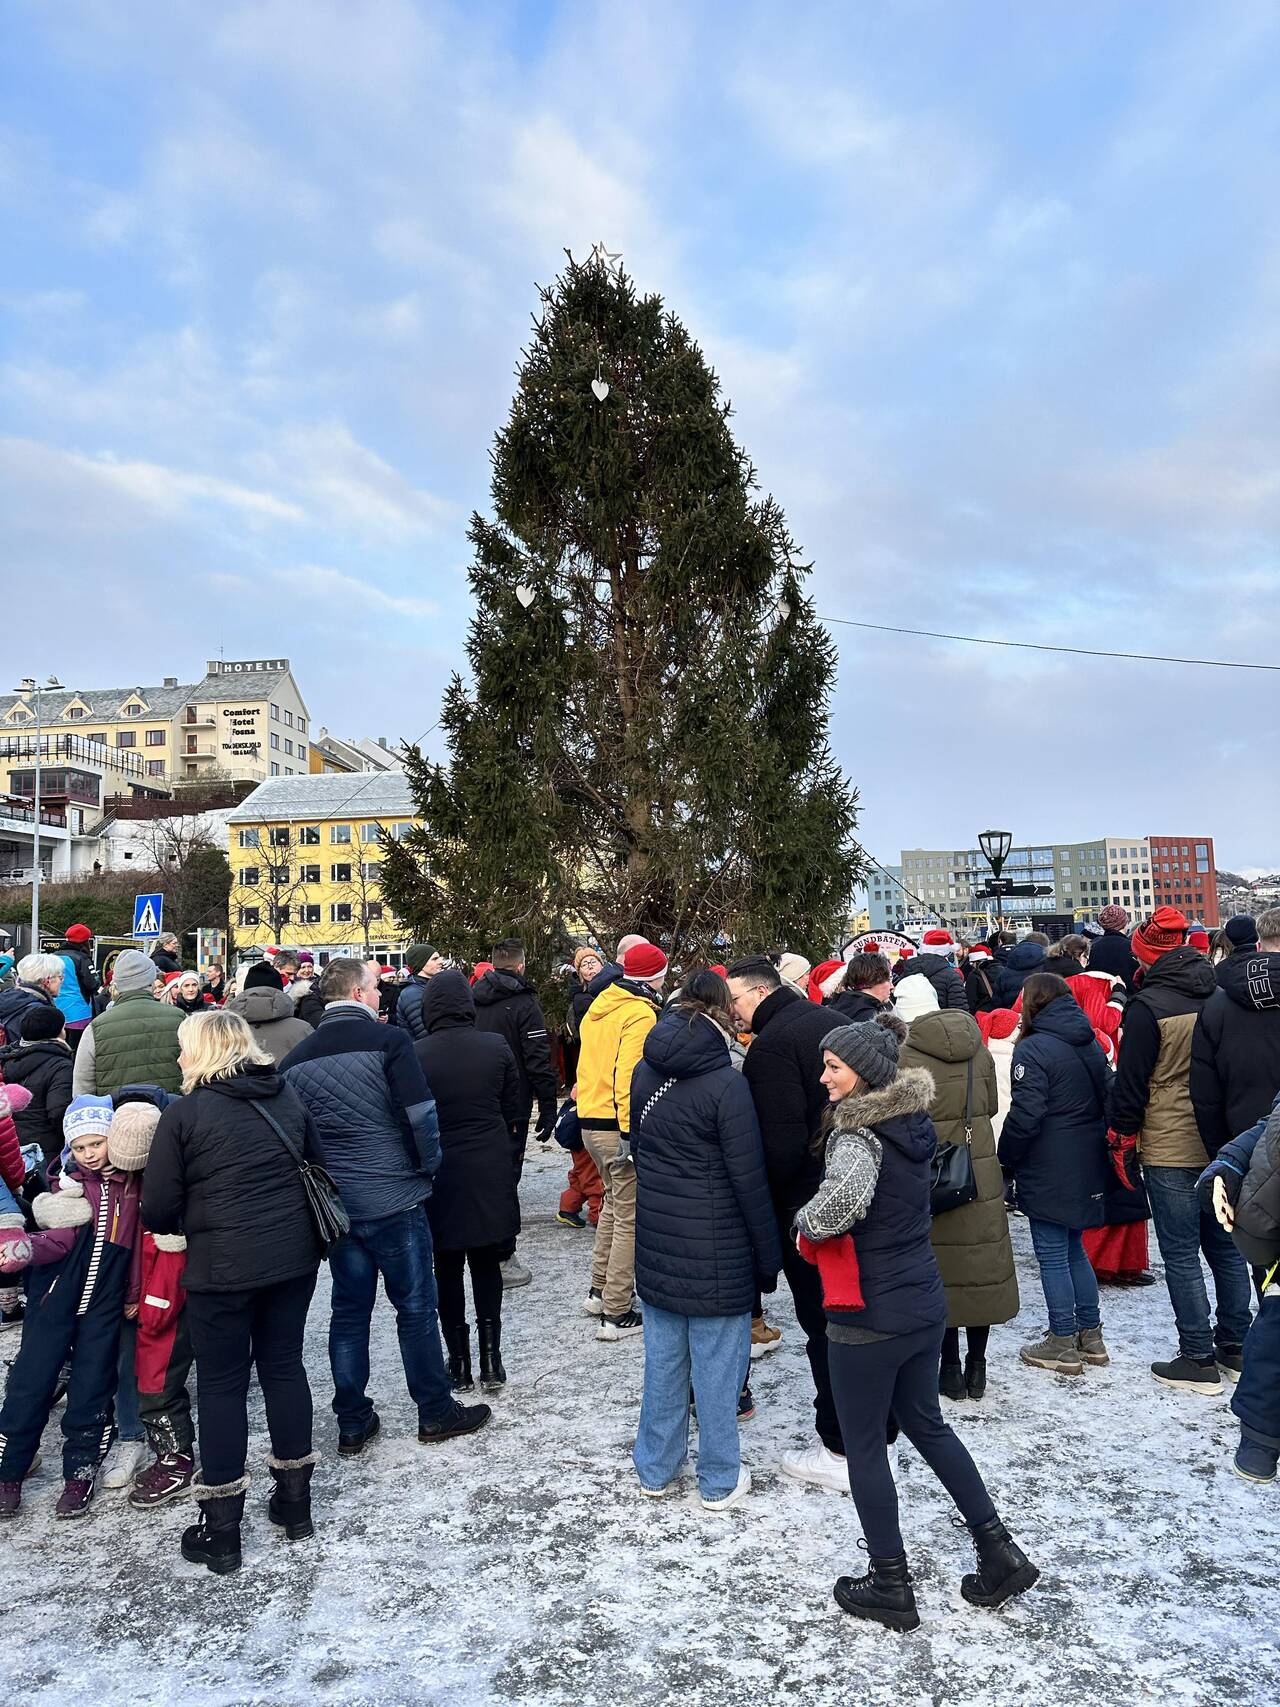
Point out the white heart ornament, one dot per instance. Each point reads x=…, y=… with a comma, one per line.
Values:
x=600, y=388
x=526, y=595
x=782, y=610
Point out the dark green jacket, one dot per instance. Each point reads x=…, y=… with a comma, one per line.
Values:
x=135, y=1042
x=971, y=1243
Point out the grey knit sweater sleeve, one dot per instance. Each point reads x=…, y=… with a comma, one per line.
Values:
x=848, y=1185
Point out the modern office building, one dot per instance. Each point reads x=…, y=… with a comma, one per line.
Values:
x=1183, y=875
x=886, y=904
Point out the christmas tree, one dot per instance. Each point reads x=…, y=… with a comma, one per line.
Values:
x=642, y=745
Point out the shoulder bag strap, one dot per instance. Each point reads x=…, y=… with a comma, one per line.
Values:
x=968, y=1102
x=281, y=1134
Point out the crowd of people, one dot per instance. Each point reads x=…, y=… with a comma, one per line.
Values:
x=178, y=1156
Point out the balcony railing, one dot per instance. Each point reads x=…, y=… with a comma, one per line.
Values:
x=16, y=812
x=55, y=748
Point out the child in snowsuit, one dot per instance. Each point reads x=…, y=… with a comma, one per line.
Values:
x=163, y=1346
x=84, y=1279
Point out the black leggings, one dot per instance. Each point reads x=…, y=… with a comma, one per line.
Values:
x=898, y=1374
x=486, y=1284
x=230, y=1333
x=975, y=1338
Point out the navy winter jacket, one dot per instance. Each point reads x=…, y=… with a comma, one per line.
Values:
x=1021, y=962
x=1054, y=1139
x=407, y=1013
x=705, y=1227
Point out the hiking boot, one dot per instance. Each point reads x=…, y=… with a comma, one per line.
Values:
x=1252, y=1462
x=352, y=1445
x=514, y=1273
x=975, y=1376
x=1229, y=1359
x=1003, y=1568
x=73, y=1501
x=593, y=1304
x=951, y=1382
x=1089, y=1343
x=571, y=1218
x=215, y=1540
x=1191, y=1374
x=163, y=1479
x=458, y=1340
x=764, y=1338
x=290, y=1503
x=10, y=1499
x=620, y=1327
x=1056, y=1352
x=462, y=1419
x=492, y=1374
x=123, y=1463
x=884, y=1595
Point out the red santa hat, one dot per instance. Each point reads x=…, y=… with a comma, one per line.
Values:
x=937, y=938
x=980, y=951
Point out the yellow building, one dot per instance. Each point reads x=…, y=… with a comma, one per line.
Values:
x=306, y=863
x=245, y=720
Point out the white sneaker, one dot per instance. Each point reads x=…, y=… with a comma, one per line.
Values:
x=674, y=1486
x=123, y=1463
x=620, y=1327
x=816, y=1464
x=593, y=1303
x=734, y=1495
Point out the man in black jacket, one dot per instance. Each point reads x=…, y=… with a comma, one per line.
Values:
x=784, y=1073
x=167, y=953
x=364, y=1088
x=1235, y=1048
x=936, y=962
x=423, y=962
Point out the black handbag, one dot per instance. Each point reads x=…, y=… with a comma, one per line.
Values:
x=328, y=1212
x=953, y=1182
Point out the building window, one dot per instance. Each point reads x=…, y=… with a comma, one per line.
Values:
x=339, y=874
x=75, y=711
x=155, y=767
x=134, y=710
x=248, y=877
x=155, y=737
x=279, y=836
x=340, y=833
x=370, y=832
x=248, y=916
x=282, y=916
x=288, y=720
x=278, y=873
x=288, y=746
x=275, y=770
x=371, y=871
x=309, y=836
x=302, y=726
x=400, y=831
x=373, y=913
x=275, y=742
x=308, y=874
x=275, y=712
x=126, y=737
x=249, y=838
x=340, y=912
x=193, y=744
x=309, y=915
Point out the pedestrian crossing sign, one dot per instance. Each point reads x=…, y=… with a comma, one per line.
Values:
x=148, y=910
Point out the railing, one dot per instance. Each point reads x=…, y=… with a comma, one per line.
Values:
x=55, y=747
x=15, y=814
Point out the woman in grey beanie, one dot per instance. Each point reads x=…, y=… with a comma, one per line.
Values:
x=885, y=1350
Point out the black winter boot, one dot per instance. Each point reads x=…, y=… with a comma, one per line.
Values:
x=290, y=1504
x=884, y=1595
x=975, y=1376
x=215, y=1540
x=951, y=1383
x=492, y=1374
x=1003, y=1568
x=458, y=1340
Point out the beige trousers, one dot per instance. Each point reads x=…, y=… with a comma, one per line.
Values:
x=613, y=1258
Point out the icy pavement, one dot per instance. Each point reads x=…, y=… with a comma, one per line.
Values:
x=520, y=1566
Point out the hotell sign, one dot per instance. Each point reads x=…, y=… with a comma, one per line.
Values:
x=246, y=666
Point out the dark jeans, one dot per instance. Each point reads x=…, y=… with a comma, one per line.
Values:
x=397, y=1247
x=232, y=1332
x=1066, y=1274
x=806, y=1290
x=1256, y=1400
x=1182, y=1233
x=899, y=1375
x=975, y=1341
x=485, y=1263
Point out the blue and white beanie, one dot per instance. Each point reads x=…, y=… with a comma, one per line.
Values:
x=87, y=1117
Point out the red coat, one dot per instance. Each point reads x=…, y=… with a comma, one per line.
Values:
x=1102, y=999
x=162, y=1299
x=13, y=1098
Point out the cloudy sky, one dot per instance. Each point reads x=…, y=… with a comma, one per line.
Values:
x=995, y=291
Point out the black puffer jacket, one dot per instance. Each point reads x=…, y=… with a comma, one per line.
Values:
x=506, y=1003
x=940, y=972
x=45, y=1070
x=473, y=1078
x=1111, y=952
x=784, y=1072
x=1054, y=1138
x=1235, y=1049
x=219, y=1174
x=1021, y=962
x=849, y=1007
x=705, y=1228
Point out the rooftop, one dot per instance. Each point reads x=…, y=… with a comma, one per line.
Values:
x=162, y=701
x=366, y=794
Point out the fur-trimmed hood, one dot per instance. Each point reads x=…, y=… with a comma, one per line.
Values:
x=911, y=1092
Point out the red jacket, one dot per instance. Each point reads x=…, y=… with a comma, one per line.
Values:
x=13, y=1099
x=163, y=1297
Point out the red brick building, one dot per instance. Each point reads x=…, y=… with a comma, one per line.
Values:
x=1183, y=875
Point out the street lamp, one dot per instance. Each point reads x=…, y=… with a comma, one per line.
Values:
x=29, y=685
x=995, y=845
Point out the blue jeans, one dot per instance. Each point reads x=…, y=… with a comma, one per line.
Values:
x=399, y=1248
x=1182, y=1233
x=128, y=1422
x=8, y=1202
x=1070, y=1285
x=714, y=1352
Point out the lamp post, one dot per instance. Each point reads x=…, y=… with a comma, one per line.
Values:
x=31, y=686
x=995, y=845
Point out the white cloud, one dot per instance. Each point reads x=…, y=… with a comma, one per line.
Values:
x=351, y=595
x=349, y=485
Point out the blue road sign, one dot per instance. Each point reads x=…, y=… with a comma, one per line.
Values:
x=148, y=911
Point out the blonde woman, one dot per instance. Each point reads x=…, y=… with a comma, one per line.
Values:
x=220, y=1171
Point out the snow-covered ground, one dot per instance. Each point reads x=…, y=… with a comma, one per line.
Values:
x=519, y=1566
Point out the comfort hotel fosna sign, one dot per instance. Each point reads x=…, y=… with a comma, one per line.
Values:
x=239, y=733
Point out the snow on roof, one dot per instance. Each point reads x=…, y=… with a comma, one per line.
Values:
x=363, y=794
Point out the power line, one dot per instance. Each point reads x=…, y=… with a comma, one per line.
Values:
x=1044, y=646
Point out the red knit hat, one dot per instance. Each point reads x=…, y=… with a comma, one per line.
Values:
x=643, y=960
x=1199, y=939
x=720, y=971
x=1165, y=929
x=937, y=938
x=79, y=933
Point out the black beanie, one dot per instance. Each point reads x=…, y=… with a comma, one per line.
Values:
x=42, y=1022
x=262, y=975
